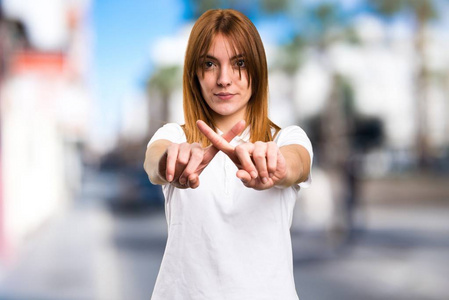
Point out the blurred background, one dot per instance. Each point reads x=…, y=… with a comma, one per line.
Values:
x=84, y=84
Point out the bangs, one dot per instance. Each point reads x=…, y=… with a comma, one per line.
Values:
x=240, y=47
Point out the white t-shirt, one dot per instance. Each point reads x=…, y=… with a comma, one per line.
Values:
x=227, y=241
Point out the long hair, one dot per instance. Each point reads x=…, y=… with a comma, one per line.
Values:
x=244, y=37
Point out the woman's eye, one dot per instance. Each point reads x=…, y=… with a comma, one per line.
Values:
x=208, y=64
x=240, y=63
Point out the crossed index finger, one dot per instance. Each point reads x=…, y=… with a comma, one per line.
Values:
x=242, y=159
x=217, y=140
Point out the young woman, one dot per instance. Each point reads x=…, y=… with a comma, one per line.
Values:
x=230, y=176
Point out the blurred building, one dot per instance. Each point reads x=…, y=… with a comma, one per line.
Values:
x=45, y=106
x=381, y=71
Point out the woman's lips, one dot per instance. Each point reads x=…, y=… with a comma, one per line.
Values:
x=224, y=96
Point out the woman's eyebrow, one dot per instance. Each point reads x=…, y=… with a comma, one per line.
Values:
x=210, y=57
x=214, y=58
x=237, y=56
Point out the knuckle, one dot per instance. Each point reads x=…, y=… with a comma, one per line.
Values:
x=183, y=160
x=217, y=140
x=172, y=148
x=258, y=156
x=240, y=149
x=271, y=146
x=259, y=153
x=197, y=155
x=184, y=145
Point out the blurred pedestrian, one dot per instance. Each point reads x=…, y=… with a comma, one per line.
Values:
x=230, y=176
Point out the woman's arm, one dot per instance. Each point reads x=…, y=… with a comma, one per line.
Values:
x=153, y=156
x=297, y=160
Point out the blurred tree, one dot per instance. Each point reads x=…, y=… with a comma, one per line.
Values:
x=421, y=12
x=328, y=26
x=160, y=86
x=291, y=55
x=200, y=6
x=275, y=6
x=248, y=7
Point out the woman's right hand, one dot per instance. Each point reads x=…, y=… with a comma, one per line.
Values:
x=181, y=164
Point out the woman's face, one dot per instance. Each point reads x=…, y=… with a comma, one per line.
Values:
x=224, y=85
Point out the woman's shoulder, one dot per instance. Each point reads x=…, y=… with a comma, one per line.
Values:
x=292, y=134
x=172, y=126
x=291, y=129
x=170, y=131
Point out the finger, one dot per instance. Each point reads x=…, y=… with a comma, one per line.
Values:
x=280, y=162
x=210, y=152
x=194, y=181
x=260, y=160
x=218, y=141
x=244, y=176
x=184, y=154
x=281, y=168
x=172, y=156
x=272, y=158
x=235, y=131
x=243, y=153
x=196, y=156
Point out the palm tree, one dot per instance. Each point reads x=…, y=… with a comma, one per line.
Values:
x=328, y=27
x=421, y=12
x=160, y=88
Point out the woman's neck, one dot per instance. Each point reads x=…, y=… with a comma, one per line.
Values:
x=226, y=123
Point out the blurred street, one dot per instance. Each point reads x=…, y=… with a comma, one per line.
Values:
x=82, y=94
x=400, y=249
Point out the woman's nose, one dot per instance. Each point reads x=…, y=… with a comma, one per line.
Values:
x=224, y=77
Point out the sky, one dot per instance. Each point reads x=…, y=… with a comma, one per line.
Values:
x=123, y=34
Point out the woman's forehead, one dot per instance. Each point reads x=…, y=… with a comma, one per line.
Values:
x=221, y=43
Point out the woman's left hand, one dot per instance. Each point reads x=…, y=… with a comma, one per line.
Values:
x=261, y=165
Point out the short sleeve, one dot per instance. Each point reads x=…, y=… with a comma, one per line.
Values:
x=296, y=135
x=171, y=131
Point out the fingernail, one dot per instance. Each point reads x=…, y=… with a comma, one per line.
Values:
x=254, y=174
x=182, y=180
x=169, y=178
x=271, y=175
x=264, y=180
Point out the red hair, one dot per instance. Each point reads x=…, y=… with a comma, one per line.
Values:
x=244, y=37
